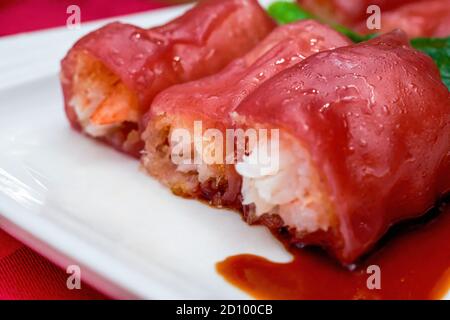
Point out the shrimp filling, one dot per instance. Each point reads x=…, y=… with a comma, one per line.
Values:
x=293, y=191
x=100, y=99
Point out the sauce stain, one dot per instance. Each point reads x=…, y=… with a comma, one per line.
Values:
x=414, y=259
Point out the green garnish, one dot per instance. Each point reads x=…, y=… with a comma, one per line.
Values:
x=437, y=48
x=286, y=12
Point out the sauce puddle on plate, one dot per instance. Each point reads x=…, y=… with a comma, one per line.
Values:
x=414, y=261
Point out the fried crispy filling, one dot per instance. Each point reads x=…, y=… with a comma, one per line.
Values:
x=203, y=181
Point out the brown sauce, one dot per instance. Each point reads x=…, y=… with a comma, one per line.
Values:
x=414, y=261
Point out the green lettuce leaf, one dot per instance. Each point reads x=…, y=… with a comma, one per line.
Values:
x=287, y=12
x=439, y=50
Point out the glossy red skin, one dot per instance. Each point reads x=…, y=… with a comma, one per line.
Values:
x=213, y=98
x=348, y=12
x=375, y=118
x=199, y=43
x=429, y=18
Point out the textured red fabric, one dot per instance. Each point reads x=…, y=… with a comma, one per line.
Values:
x=24, y=274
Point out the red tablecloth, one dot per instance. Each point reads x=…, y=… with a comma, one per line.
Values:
x=24, y=274
x=28, y=15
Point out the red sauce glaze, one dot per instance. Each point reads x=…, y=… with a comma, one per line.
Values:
x=414, y=264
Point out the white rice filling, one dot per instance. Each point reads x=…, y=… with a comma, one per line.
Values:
x=291, y=191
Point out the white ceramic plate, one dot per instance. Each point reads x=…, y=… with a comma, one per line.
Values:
x=79, y=202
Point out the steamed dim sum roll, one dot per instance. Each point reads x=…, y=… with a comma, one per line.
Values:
x=211, y=101
x=110, y=76
x=364, y=143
